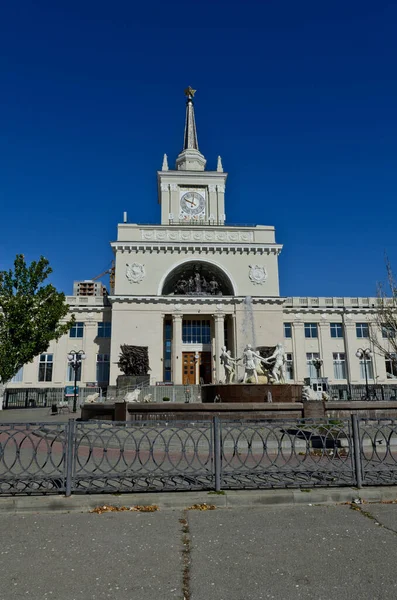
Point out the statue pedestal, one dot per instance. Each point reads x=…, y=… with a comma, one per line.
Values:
x=127, y=382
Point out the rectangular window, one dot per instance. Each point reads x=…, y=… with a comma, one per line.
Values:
x=167, y=353
x=388, y=332
x=311, y=330
x=104, y=330
x=45, y=367
x=76, y=331
x=391, y=366
x=102, y=368
x=370, y=370
x=288, y=330
x=289, y=367
x=339, y=359
x=70, y=373
x=311, y=369
x=336, y=330
x=18, y=377
x=362, y=330
x=196, y=331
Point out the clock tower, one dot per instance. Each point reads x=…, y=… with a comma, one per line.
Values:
x=190, y=194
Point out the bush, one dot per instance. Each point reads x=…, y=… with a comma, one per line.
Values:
x=166, y=399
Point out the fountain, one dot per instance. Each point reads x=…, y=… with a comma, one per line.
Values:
x=272, y=363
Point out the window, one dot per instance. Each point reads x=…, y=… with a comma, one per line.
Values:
x=311, y=330
x=289, y=367
x=167, y=353
x=391, y=366
x=388, y=331
x=370, y=370
x=102, y=368
x=18, y=377
x=287, y=330
x=311, y=369
x=336, y=330
x=76, y=331
x=70, y=373
x=339, y=365
x=45, y=367
x=104, y=330
x=196, y=332
x=362, y=330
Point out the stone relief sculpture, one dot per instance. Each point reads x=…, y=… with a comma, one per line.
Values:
x=196, y=284
x=135, y=272
x=134, y=360
x=257, y=274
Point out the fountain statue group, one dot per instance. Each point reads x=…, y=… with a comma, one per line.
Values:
x=251, y=361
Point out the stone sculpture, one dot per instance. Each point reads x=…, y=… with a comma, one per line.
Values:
x=228, y=364
x=277, y=362
x=250, y=360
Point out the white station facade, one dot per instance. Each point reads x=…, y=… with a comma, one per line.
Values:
x=192, y=284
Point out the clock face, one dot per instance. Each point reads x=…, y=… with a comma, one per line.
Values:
x=192, y=204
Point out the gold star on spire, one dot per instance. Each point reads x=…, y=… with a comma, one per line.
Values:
x=189, y=92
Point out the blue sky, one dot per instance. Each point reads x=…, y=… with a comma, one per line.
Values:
x=299, y=99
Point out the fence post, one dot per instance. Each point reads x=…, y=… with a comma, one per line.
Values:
x=217, y=453
x=69, y=456
x=356, y=451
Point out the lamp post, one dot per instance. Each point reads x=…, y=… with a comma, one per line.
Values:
x=75, y=359
x=365, y=354
x=317, y=364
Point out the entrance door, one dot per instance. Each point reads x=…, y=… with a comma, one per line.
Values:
x=205, y=367
x=188, y=368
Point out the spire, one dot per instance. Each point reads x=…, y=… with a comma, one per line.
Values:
x=190, y=138
x=190, y=159
x=165, y=163
x=219, y=167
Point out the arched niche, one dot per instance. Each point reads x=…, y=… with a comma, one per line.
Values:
x=197, y=278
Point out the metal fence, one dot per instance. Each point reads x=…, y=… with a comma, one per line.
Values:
x=41, y=397
x=359, y=392
x=96, y=457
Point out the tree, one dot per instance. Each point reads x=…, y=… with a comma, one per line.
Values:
x=383, y=334
x=30, y=314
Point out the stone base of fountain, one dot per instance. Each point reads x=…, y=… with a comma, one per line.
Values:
x=250, y=392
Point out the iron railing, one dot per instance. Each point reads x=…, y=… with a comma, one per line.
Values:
x=41, y=397
x=94, y=457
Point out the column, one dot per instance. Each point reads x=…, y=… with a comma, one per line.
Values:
x=298, y=339
x=352, y=343
x=325, y=346
x=177, y=349
x=219, y=342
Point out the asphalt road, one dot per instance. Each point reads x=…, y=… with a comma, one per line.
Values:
x=283, y=553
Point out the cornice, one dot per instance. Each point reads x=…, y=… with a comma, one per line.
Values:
x=194, y=300
x=187, y=248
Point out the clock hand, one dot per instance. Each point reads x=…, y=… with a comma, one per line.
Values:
x=190, y=201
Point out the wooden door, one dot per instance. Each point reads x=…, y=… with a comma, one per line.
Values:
x=188, y=368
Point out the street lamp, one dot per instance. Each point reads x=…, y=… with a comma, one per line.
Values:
x=75, y=359
x=365, y=355
x=317, y=364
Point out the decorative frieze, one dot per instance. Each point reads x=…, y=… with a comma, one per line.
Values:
x=182, y=235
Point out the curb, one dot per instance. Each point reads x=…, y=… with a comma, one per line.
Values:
x=182, y=500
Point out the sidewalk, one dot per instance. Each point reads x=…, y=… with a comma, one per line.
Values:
x=268, y=552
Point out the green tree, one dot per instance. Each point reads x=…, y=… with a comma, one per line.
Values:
x=30, y=314
x=383, y=333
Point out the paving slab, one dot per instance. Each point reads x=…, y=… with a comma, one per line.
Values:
x=122, y=556
x=283, y=553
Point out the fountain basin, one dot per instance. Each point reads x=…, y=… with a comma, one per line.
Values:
x=250, y=392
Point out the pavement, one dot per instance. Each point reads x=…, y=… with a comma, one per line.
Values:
x=36, y=415
x=280, y=552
